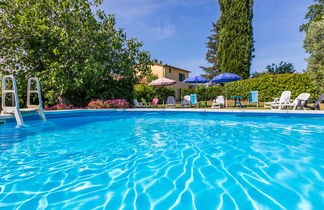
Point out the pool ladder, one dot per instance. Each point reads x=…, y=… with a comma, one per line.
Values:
x=14, y=110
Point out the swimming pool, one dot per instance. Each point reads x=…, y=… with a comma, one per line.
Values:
x=162, y=160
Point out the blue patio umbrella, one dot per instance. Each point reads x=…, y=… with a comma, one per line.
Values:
x=196, y=79
x=226, y=77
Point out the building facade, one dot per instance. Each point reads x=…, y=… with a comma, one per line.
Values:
x=174, y=73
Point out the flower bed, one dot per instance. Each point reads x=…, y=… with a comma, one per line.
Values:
x=94, y=104
x=60, y=106
x=108, y=104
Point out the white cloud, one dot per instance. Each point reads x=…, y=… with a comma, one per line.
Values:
x=163, y=31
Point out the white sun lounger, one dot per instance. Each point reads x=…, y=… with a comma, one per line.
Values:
x=299, y=101
x=279, y=102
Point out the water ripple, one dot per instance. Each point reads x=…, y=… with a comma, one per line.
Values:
x=163, y=161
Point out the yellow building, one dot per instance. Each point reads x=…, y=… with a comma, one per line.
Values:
x=171, y=72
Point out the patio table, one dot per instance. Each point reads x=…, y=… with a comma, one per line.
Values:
x=237, y=100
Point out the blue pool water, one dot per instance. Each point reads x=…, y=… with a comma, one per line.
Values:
x=163, y=160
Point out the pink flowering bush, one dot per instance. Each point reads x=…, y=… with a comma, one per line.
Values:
x=94, y=104
x=108, y=104
x=60, y=106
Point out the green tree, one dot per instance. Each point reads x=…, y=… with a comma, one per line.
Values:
x=282, y=68
x=151, y=77
x=315, y=13
x=314, y=45
x=212, y=53
x=236, y=36
x=78, y=54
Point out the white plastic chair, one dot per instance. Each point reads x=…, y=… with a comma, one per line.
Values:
x=218, y=102
x=185, y=101
x=170, y=102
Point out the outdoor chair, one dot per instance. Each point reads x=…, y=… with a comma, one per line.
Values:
x=298, y=102
x=279, y=102
x=317, y=102
x=154, y=102
x=136, y=104
x=170, y=102
x=254, y=95
x=218, y=102
x=193, y=99
x=185, y=101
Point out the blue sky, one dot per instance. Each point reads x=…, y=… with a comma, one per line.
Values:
x=175, y=31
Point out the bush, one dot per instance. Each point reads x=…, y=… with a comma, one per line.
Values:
x=108, y=104
x=60, y=106
x=94, y=104
x=149, y=92
x=204, y=93
x=269, y=86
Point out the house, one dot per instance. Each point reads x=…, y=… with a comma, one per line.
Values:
x=171, y=72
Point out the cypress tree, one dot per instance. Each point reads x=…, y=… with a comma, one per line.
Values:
x=212, y=55
x=236, y=37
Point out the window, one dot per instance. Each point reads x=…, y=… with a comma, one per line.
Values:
x=169, y=70
x=181, y=77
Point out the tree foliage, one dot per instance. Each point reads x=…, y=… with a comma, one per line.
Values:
x=236, y=37
x=150, y=92
x=77, y=54
x=281, y=68
x=315, y=13
x=314, y=45
x=212, y=53
x=314, y=42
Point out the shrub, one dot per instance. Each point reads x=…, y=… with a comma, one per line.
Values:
x=108, y=104
x=204, y=93
x=94, y=104
x=149, y=92
x=60, y=106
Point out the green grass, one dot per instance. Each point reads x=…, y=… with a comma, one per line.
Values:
x=230, y=104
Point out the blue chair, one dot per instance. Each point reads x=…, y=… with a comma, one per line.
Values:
x=193, y=99
x=254, y=97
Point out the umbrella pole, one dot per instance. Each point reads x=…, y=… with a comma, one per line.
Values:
x=225, y=95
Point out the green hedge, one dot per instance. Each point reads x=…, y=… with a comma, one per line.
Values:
x=269, y=86
x=204, y=93
x=148, y=92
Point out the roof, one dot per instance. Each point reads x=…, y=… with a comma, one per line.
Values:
x=166, y=65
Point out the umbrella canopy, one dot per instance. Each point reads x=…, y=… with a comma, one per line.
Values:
x=196, y=79
x=162, y=82
x=226, y=77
